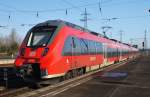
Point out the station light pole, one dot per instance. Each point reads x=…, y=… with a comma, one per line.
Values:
x=145, y=40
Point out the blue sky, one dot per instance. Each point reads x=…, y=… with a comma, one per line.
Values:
x=133, y=16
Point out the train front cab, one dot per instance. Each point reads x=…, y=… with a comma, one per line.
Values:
x=33, y=60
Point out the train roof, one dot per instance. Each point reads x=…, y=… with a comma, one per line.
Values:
x=61, y=22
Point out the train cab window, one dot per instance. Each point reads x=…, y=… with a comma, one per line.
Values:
x=39, y=39
x=40, y=36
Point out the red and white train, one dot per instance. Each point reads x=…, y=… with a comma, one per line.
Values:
x=57, y=48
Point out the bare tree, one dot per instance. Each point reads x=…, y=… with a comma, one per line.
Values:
x=13, y=44
x=9, y=43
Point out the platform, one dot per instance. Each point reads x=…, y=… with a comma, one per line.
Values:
x=6, y=61
x=131, y=80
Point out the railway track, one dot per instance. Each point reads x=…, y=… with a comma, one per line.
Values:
x=65, y=85
x=6, y=65
x=12, y=86
x=13, y=93
x=25, y=91
x=9, y=83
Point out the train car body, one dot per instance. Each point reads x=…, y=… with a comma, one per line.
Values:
x=54, y=48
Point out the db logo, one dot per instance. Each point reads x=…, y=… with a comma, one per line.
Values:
x=33, y=53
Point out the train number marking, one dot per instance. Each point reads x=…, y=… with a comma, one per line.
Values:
x=92, y=58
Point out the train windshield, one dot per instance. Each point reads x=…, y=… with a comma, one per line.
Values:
x=40, y=36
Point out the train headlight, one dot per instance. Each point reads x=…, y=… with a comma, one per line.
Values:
x=22, y=51
x=45, y=51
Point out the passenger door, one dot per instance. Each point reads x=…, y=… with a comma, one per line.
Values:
x=73, y=46
x=69, y=51
x=118, y=56
x=104, y=55
x=76, y=51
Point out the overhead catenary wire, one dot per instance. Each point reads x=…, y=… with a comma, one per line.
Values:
x=13, y=9
x=120, y=18
x=73, y=6
x=37, y=13
x=124, y=18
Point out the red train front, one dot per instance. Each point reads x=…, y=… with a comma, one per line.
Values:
x=40, y=52
x=56, y=48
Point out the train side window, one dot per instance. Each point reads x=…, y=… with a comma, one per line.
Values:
x=67, y=50
x=90, y=46
x=122, y=51
x=116, y=52
x=99, y=48
x=113, y=52
x=77, y=48
x=84, y=46
x=87, y=45
x=108, y=52
x=93, y=47
x=73, y=42
x=119, y=52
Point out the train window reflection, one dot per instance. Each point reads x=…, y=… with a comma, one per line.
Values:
x=40, y=36
x=39, y=39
